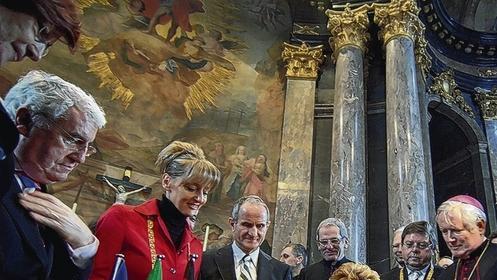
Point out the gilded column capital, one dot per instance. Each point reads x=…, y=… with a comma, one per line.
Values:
x=400, y=18
x=302, y=61
x=446, y=87
x=487, y=101
x=397, y=18
x=348, y=27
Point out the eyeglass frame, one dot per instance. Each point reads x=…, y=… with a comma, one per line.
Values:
x=420, y=245
x=332, y=241
x=70, y=141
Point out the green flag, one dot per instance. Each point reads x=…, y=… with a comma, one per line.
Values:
x=156, y=272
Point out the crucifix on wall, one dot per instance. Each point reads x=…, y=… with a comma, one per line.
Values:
x=123, y=187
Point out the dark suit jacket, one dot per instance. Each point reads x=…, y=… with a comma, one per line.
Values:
x=320, y=270
x=8, y=141
x=487, y=266
x=395, y=273
x=29, y=251
x=219, y=264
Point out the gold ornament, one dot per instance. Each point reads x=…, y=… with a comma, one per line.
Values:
x=400, y=18
x=302, y=61
x=487, y=101
x=348, y=27
x=446, y=87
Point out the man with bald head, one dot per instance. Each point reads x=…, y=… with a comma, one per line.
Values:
x=462, y=221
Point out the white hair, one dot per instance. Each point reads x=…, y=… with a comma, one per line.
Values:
x=49, y=95
x=469, y=214
x=333, y=222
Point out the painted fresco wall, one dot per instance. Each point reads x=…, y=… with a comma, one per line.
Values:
x=207, y=72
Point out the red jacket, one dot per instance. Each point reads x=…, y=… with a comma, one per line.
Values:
x=123, y=229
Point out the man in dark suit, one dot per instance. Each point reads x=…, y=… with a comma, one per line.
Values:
x=29, y=39
x=462, y=221
x=417, y=248
x=332, y=240
x=41, y=237
x=243, y=259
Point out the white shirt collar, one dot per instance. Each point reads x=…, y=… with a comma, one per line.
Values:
x=238, y=254
x=423, y=271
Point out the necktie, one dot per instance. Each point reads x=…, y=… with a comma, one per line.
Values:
x=416, y=275
x=245, y=271
x=28, y=185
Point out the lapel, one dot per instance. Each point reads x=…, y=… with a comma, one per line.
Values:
x=264, y=267
x=26, y=226
x=486, y=262
x=225, y=263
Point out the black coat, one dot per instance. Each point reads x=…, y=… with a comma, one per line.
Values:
x=487, y=267
x=8, y=141
x=30, y=251
x=395, y=273
x=320, y=270
x=219, y=264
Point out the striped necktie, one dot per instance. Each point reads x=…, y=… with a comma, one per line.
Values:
x=245, y=270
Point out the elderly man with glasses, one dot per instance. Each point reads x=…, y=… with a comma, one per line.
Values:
x=27, y=29
x=417, y=247
x=332, y=241
x=41, y=237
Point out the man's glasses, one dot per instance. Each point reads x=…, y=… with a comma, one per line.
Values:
x=419, y=245
x=327, y=242
x=73, y=143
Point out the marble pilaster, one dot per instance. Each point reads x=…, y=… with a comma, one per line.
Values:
x=294, y=180
x=348, y=149
x=407, y=179
x=487, y=101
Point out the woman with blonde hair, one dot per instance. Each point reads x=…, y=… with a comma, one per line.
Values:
x=354, y=271
x=160, y=227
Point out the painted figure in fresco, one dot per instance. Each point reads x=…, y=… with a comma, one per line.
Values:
x=176, y=11
x=218, y=158
x=216, y=239
x=233, y=184
x=121, y=193
x=255, y=175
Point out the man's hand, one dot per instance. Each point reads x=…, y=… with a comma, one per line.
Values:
x=49, y=211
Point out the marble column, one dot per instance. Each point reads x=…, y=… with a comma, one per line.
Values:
x=407, y=174
x=348, y=39
x=487, y=101
x=294, y=178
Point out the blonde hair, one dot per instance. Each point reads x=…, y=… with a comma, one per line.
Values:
x=354, y=271
x=187, y=162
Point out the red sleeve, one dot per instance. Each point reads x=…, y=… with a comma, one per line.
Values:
x=110, y=231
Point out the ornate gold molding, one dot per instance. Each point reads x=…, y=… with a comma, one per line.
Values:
x=446, y=87
x=487, y=101
x=348, y=27
x=302, y=61
x=397, y=18
x=400, y=18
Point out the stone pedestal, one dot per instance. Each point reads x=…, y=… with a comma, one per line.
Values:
x=294, y=180
x=348, y=150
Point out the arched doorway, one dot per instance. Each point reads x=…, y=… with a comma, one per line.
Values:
x=459, y=159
